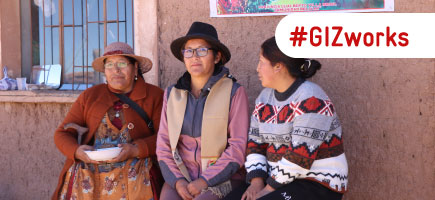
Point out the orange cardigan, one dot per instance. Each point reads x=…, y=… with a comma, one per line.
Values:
x=89, y=109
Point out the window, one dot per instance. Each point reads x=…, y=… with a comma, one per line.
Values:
x=72, y=33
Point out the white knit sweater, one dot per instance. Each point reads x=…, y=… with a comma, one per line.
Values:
x=298, y=138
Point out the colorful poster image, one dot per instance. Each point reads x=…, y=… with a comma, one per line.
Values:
x=238, y=8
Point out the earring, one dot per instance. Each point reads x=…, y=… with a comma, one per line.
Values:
x=135, y=77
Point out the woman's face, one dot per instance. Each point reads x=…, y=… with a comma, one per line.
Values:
x=120, y=73
x=200, y=66
x=265, y=71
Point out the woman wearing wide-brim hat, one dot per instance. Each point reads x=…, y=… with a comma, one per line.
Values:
x=203, y=130
x=111, y=122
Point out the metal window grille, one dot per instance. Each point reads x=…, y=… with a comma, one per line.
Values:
x=72, y=33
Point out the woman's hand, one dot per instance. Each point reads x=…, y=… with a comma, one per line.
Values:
x=81, y=155
x=181, y=187
x=266, y=190
x=128, y=151
x=257, y=184
x=195, y=187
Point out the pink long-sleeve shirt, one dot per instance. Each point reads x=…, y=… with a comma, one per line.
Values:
x=189, y=145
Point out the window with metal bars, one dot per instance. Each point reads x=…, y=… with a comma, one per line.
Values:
x=72, y=33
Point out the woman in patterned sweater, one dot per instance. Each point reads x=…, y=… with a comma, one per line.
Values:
x=295, y=148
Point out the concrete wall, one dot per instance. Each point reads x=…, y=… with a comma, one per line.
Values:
x=387, y=106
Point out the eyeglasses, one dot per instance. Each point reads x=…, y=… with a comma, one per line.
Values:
x=111, y=65
x=201, y=52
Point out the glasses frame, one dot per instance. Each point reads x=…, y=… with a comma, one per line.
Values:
x=116, y=65
x=195, y=52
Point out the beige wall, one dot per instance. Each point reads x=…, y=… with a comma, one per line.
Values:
x=30, y=162
x=145, y=34
x=387, y=106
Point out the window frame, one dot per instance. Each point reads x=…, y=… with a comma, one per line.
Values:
x=85, y=38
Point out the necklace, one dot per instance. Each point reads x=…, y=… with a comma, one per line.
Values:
x=117, y=107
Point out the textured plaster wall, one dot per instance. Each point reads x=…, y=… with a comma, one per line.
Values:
x=145, y=34
x=387, y=106
x=30, y=162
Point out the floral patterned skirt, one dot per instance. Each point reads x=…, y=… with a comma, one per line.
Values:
x=124, y=180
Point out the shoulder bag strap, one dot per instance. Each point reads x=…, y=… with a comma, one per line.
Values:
x=138, y=109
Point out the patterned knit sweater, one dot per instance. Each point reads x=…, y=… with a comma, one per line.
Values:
x=298, y=137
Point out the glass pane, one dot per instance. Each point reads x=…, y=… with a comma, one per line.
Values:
x=79, y=56
x=101, y=34
x=92, y=10
x=48, y=48
x=93, y=52
x=68, y=55
x=56, y=50
x=78, y=12
x=67, y=12
x=112, y=33
x=79, y=47
x=129, y=23
x=93, y=43
x=54, y=7
x=86, y=48
x=121, y=7
x=40, y=13
x=99, y=77
x=84, y=14
x=122, y=30
x=101, y=10
x=41, y=46
x=45, y=10
x=36, y=17
x=111, y=10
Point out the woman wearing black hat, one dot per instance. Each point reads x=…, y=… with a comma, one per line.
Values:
x=203, y=130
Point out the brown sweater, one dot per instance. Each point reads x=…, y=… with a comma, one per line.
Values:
x=89, y=109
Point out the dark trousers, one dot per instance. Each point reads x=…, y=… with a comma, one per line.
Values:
x=299, y=189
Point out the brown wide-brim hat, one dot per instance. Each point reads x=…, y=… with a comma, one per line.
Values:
x=121, y=49
x=200, y=30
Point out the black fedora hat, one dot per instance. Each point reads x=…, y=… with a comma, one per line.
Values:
x=203, y=31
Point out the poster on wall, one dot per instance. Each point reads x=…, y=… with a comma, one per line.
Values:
x=240, y=8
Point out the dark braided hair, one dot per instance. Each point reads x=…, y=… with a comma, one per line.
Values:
x=297, y=67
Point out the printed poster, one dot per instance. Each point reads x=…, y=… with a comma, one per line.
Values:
x=240, y=8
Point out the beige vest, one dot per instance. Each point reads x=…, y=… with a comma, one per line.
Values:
x=214, y=132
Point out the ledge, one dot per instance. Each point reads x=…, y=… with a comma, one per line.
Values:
x=39, y=96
